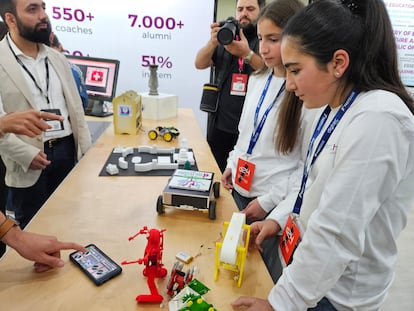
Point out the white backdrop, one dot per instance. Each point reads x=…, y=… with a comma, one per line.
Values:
x=139, y=32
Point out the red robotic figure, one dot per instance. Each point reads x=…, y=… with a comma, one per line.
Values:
x=154, y=268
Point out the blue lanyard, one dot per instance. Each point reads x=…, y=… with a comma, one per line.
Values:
x=258, y=127
x=350, y=99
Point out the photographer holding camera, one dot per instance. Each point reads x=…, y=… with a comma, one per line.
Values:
x=231, y=50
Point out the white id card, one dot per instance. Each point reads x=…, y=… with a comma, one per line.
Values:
x=55, y=125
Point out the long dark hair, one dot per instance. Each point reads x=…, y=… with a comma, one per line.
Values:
x=363, y=29
x=288, y=120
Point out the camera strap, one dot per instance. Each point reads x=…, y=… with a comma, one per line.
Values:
x=223, y=73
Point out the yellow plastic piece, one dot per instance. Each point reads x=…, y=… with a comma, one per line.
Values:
x=168, y=137
x=152, y=135
x=238, y=267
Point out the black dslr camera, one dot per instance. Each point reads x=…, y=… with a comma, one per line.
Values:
x=228, y=31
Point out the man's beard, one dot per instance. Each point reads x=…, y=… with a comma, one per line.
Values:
x=35, y=34
x=249, y=29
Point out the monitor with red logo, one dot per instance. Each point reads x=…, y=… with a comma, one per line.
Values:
x=100, y=76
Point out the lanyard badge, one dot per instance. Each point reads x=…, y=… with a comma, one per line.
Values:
x=290, y=239
x=291, y=236
x=239, y=84
x=244, y=174
x=239, y=81
x=245, y=169
x=56, y=125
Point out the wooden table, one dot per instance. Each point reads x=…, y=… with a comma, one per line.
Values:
x=87, y=208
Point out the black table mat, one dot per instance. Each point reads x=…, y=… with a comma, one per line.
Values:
x=145, y=158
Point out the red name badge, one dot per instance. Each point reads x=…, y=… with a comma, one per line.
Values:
x=289, y=240
x=238, y=84
x=244, y=174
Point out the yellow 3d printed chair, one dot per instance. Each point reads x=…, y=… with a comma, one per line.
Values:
x=232, y=250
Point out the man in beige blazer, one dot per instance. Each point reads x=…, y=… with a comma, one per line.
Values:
x=34, y=76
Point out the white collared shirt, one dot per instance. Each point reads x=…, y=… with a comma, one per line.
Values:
x=54, y=90
x=357, y=197
x=274, y=171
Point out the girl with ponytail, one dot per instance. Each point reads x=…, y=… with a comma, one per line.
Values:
x=356, y=189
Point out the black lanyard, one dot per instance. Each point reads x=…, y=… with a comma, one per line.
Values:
x=46, y=95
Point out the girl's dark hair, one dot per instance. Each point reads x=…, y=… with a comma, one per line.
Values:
x=288, y=123
x=363, y=29
x=261, y=3
x=288, y=120
x=280, y=11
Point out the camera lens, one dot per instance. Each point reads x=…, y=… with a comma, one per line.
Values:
x=225, y=36
x=228, y=30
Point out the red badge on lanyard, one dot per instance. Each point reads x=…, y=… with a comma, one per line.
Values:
x=289, y=240
x=238, y=84
x=244, y=174
x=239, y=81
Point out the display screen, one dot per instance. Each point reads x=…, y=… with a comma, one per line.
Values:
x=100, y=76
x=96, y=264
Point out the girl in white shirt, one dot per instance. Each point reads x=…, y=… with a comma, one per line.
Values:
x=258, y=172
x=360, y=168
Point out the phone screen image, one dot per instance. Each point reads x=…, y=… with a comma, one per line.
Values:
x=95, y=264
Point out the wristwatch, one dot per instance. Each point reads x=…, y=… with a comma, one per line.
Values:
x=248, y=57
x=7, y=225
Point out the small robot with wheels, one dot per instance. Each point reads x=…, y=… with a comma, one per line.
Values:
x=168, y=133
x=190, y=190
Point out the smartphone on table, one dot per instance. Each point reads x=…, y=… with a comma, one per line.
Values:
x=98, y=266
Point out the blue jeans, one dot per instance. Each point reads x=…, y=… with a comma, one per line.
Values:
x=323, y=305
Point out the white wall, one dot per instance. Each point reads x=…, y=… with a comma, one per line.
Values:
x=105, y=29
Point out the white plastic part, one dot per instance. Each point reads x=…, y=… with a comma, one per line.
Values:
x=136, y=159
x=122, y=163
x=233, y=238
x=127, y=151
x=155, y=150
x=112, y=169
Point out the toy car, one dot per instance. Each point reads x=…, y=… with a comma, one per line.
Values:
x=190, y=190
x=168, y=133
